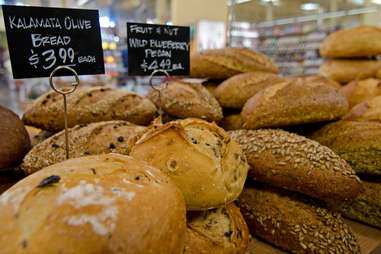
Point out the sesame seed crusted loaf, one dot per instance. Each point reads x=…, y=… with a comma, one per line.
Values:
x=293, y=162
x=227, y=62
x=359, y=143
x=231, y=122
x=358, y=91
x=187, y=99
x=222, y=230
x=87, y=105
x=292, y=103
x=94, y=138
x=295, y=222
x=204, y=162
x=96, y=204
x=369, y=110
x=235, y=91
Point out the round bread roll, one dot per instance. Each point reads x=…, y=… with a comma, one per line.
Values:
x=216, y=231
x=208, y=167
x=14, y=139
x=358, y=91
x=96, y=204
x=360, y=41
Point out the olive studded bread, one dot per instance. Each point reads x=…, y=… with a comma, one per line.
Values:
x=94, y=138
x=296, y=163
x=87, y=105
x=295, y=222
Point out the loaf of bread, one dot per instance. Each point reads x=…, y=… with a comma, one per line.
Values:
x=232, y=122
x=186, y=99
x=378, y=74
x=227, y=62
x=94, y=138
x=315, y=79
x=292, y=103
x=359, y=143
x=358, y=91
x=369, y=110
x=344, y=71
x=37, y=135
x=14, y=139
x=205, y=163
x=96, y=204
x=87, y=105
x=295, y=222
x=235, y=91
x=366, y=207
x=296, y=163
x=216, y=231
x=360, y=41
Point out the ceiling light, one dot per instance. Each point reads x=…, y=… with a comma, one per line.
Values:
x=376, y=1
x=309, y=6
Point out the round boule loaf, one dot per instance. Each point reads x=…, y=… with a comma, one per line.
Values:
x=205, y=163
x=358, y=91
x=14, y=139
x=96, y=204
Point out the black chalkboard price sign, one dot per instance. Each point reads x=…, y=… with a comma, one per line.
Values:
x=41, y=39
x=152, y=47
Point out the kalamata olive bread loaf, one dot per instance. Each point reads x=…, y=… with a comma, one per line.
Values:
x=235, y=91
x=14, y=139
x=94, y=138
x=366, y=207
x=87, y=105
x=360, y=41
x=296, y=163
x=186, y=99
x=358, y=91
x=295, y=222
x=292, y=103
x=96, y=204
x=205, y=163
x=227, y=62
x=369, y=110
x=232, y=122
x=359, y=143
x=216, y=231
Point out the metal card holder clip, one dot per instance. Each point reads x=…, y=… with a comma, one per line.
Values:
x=159, y=89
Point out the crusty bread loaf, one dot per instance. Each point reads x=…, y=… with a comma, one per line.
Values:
x=295, y=222
x=315, y=79
x=292, y=103
x=87, y=105
x=369, y=110
x=360, y=41
x=235, y=91
x=359, y=143
x=204, y=162
x=14, y=139
x=96, y=204
x=186, y=99
x=94, y=138
x=293, y=162
x=227, y=62
x=216, y=231
x=358, y=91
x=232, y=122
x=366, y=207
x=344, y=71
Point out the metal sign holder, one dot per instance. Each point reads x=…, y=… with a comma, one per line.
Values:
x=159, y=89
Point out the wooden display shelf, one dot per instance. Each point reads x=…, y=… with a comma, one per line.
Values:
x=369, y=238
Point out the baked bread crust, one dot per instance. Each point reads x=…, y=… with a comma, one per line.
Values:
x=369, y=110
x=232, y=122
x=358, y=91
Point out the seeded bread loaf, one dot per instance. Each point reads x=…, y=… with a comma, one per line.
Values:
x=360, y=41
x=96, y=204
x=292, y=103
x=87, y=105
x=293, y=162
x=369, y=110
x=235, y=91
x=204, y=162
x=186, y=99
x=221, y=230
x=359, y=143
x=232, y=122
x=227, y=62
x=295, y=222
x=94, y=138
x=358, y=91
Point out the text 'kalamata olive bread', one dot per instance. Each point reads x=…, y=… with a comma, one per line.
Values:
x=186, y=99
x=227, y=62
x=216, y=231
x=87, y=105
x=96, y=204
x=296, y=163
x=293, y=102
x=205, y=163
x=295, y=222
x=95, y=138
x=359, y=143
